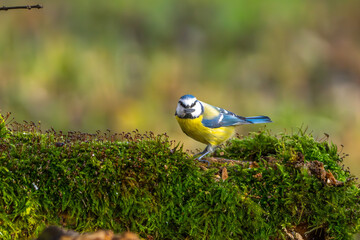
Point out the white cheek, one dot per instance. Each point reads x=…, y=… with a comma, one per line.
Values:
x=198, y=110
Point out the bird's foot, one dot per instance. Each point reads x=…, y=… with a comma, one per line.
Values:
x=204, y=161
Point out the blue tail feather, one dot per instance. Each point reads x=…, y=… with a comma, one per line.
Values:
x=258, y=119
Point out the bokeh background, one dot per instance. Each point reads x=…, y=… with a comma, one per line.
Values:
x=122, y=65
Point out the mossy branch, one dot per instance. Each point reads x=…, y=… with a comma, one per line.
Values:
x=145, y=183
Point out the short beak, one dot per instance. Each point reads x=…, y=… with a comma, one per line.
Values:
x=189, y=110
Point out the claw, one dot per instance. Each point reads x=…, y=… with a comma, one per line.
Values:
x=204, y=161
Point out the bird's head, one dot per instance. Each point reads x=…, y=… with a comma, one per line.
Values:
x=189, y=107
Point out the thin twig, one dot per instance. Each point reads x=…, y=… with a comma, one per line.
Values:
x=38, y=6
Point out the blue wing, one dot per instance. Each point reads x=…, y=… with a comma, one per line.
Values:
x=215, y=117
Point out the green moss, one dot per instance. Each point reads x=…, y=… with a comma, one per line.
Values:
x=147, y=184
x=4, y=132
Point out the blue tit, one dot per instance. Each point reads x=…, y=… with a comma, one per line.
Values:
x=208, y=124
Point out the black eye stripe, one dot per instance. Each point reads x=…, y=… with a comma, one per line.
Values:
x=193, y=105
x=185, y=106
x=182, y=104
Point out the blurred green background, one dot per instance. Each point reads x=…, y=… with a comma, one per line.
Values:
x=122, y=65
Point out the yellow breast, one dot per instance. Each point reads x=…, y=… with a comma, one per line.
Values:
x=196, y=130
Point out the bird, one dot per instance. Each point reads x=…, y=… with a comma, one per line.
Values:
x=209, y=124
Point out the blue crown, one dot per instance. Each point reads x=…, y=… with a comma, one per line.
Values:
x=187, y=96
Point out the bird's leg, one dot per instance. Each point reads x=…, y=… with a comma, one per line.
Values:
x=207, y=150
x=203, y=153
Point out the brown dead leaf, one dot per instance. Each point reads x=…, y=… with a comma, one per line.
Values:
x=316, y=168
x=331, y=180
x=258, y=176
x=224, y=174
x=253, y=165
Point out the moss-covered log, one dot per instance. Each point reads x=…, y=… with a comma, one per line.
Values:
x=282, y=186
